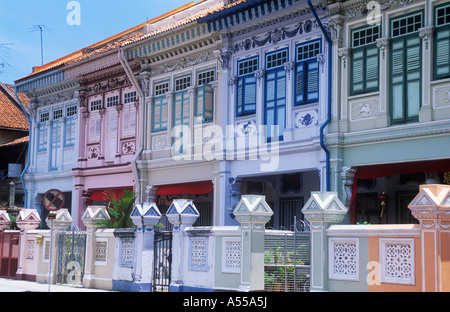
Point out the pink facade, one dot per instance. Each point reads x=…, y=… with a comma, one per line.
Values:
x=109, y=107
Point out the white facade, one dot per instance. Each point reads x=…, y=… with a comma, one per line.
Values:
x=53, y=142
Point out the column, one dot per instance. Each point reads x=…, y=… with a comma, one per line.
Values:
x=91, y=216
x=344, y=55
x=260, y=75
x=426, y=33
x=145, y=216
x=28, y=219
x=252, y=212
x=432, y=208
x=182, y=213
x=384, y=118
x=321, y=210
x=170, y=98
x=59, y=224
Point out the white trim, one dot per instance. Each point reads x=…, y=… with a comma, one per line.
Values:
x=226, y=269
x=101, y=263
x=332, y=263
x=397, y=280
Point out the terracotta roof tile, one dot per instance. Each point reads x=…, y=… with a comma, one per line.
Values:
x=11, y=115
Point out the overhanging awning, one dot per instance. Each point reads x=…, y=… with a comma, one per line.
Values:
x=203, y=187
x=101, y=195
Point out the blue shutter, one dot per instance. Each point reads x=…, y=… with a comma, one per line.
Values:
x=299, y=84
x=313, y=81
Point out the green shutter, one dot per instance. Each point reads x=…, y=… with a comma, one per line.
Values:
x=358, y=71
x=413, y=76
x=372, y=68
x=442, y=52
x=397, y=80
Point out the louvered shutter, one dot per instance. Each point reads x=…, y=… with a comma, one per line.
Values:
x=299, y=84
x=358, y=71
x=372, y=68
x=442, y=52
x=157, y=115
x=250, y=94
x=413, y=76
x=397, y=80
x=313, y=81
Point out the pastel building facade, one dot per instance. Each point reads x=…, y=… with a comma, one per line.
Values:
x=274, y=101
x=390, y=110
x=54, y=127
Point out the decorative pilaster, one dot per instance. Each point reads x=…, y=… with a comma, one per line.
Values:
x=91, y=216
x=252, y=212
x=432, y=208
x=426, y=33
x=28, y=219
x=383, y=119
x=145, y=217
x=321, y=210
x=182, y=213
x=4, y=220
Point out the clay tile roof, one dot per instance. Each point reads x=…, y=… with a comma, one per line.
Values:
x=11, y=115
x=102, y=46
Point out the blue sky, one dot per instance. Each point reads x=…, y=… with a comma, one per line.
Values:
x=20, y=47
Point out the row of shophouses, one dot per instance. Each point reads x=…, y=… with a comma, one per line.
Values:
x=279, y=98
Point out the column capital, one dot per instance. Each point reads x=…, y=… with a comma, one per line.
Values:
x=432, y=206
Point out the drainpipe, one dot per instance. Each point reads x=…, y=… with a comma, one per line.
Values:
x=325, y=124
x=29, y=147
x=133, y=80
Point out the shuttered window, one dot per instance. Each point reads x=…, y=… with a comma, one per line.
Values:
x=442, y=42
x=275, y=94
x=160, y=114
x=69, y=131
x=43, y=132
x=307, y=73
x=205, y=97
x=365, y=60
x=406, y=68
x=246, y=87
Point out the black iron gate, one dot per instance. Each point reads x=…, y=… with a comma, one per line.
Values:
x=162, y=261
x=71, y=257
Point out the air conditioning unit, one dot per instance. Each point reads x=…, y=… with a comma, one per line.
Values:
x=14, y=170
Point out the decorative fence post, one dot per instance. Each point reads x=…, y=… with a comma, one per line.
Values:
x=322, y=210
x=61, y=222
x=28, y=219
x=145, y=216
x=4, y=220
x=182, y=213
x=432, y=208
x=91, y=216
x=252, y=212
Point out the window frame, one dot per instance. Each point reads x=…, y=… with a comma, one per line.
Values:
x=404, y=37
x=276, y=69
x=364, y=49
x=242, y=107
x=304, y=63
x=445, y=27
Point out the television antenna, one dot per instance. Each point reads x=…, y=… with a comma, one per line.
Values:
x=3, y=62
x=41, y=28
